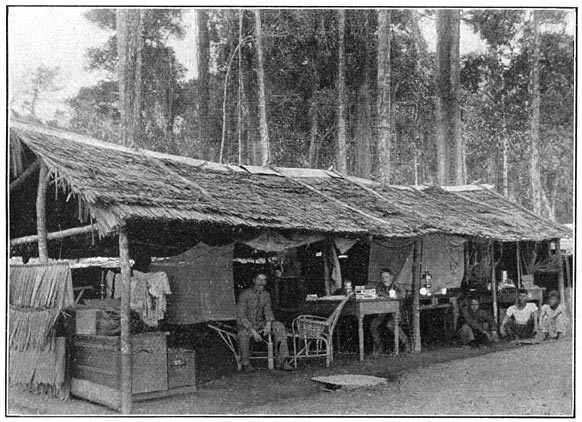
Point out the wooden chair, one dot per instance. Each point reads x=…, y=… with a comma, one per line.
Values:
x=315, y=333
x=229, y=335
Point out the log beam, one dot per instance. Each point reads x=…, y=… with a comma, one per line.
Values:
x=16, y=183
x=54, y=235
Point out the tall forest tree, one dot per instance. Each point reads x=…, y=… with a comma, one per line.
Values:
x=203, y=98
x=448, y=117
x=95, y=108
x=129, y=64
x=264, y=142
x=384, y=105
x=341, y=153
x=535, y=178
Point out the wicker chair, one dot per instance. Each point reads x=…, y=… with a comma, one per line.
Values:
x=315, y=334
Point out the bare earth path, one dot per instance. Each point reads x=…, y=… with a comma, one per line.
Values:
x=515, y=380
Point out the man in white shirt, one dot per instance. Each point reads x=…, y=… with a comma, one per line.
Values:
x=521, y=319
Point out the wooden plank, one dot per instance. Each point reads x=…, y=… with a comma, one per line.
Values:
x=96, y=393
x=166, y=393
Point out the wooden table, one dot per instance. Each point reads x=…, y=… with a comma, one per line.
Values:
x=359, y=308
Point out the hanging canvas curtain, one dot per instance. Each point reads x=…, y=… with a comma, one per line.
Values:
x=201, y=282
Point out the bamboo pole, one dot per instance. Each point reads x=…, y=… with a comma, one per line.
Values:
x=494, y=284
x=54, y=235
x=416, y=269
x=43, y=178
x=126, y=376
x=560, y=274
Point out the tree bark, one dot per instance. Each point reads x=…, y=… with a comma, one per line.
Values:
x=264, y=143
x=43, y=179
x=535, y=120
x=129, y=48
x=448, y=121
x=125, y=343
x=203, y=82
x=341, y=152
x=363, y=133
x=239, y=109
x=384, y=106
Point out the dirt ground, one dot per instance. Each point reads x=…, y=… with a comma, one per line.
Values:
x=506, y=379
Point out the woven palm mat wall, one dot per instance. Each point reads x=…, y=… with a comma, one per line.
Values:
x=38, y=294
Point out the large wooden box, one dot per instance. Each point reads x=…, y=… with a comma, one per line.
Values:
x=98, y=359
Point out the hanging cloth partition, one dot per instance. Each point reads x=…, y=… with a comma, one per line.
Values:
x=442, y=256
x=201, y=283
x=394, y=254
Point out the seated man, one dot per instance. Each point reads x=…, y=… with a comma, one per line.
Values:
x=477, y=325
x=521, y=319
x=553, y=319
x=383, y=289
x=255, y=318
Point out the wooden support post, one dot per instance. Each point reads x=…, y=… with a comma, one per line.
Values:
x=126, y=376
x=560, y=274
x=416, y=269
x=326, y=270
x=43, y=178
x=494, y=284
x=518, y=258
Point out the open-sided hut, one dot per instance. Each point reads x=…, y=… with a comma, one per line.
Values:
x=135, y=200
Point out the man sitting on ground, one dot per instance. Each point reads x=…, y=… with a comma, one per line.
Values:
x=553, y=320
x=256, y=319
x=383, y=289
x=521, y=319
x=478, y=326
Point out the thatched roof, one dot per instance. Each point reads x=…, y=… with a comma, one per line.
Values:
x=120, y=184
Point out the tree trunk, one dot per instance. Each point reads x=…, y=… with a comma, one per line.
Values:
x=239, y=121
x=129, y=47
x=41, y=229
x=448, y=121
x=384, y=101
x=314, y=141
x=505, y=169
x=363, y=133
x=203, y=82
x=341, y=152
x=264, y=143
x=535, y=120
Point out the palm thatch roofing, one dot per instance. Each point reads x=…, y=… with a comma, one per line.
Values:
x=120, y=185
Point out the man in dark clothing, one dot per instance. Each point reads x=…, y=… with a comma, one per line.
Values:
x=478, y=326
x=255, y=319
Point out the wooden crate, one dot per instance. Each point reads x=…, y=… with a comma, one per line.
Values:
x=181, y=368
x=97, y=359
x=86, y=321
